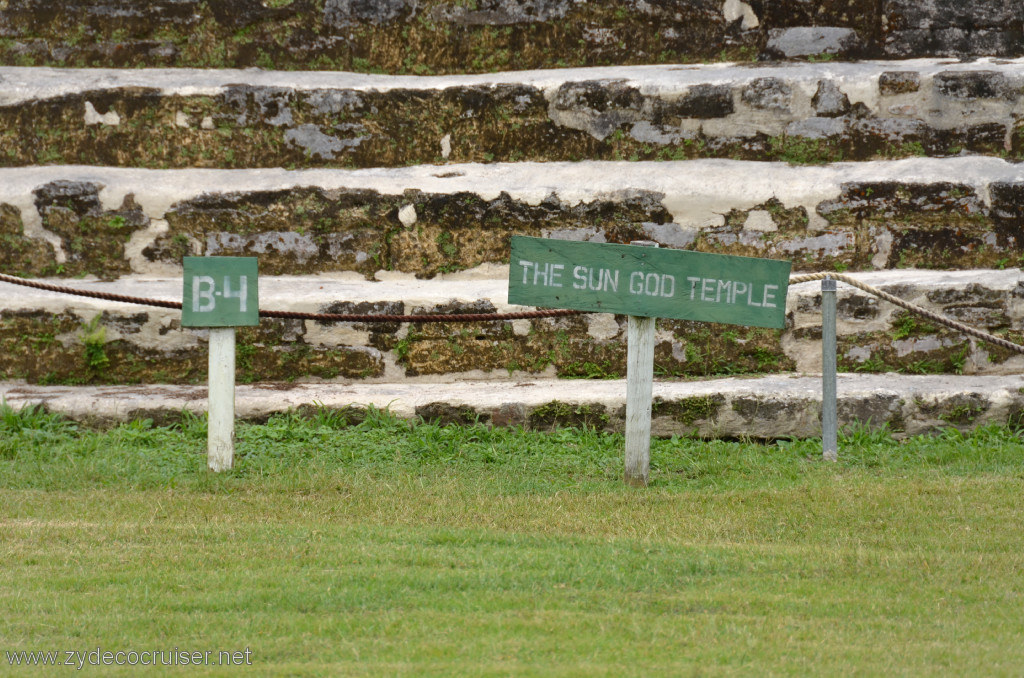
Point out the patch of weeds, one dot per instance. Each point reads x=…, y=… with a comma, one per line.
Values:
x=94, y=339
x=924, y=367
x=872, y=364
x=962, y=414
x=800, y=151
x=907, y=324
x=403, y=345
x=446, y=244
x=590, y=370
x=557, y=414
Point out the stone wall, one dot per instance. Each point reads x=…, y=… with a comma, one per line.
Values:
x=390, y=175
x=448, y=36
x=798, y=113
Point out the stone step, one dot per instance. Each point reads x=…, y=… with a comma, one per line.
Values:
x=806, y=113
x=770, y=407
x=418, y=36
x=423, y=36
x=426, y=220
x=51, y=338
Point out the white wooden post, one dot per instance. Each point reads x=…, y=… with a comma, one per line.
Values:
x=220, y=441
x=639, y=387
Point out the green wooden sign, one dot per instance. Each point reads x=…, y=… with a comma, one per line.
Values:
x=648, y=281
x=220, y=292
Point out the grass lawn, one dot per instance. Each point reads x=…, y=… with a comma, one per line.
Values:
x=385, y=548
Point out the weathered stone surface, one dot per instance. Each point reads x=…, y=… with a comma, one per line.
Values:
x=701, y=102
x=879, y=338
x=768, y=94
x=952, y=28
x=769, y=113
x=404, y=36
x=944, y=224
x=430, y=221
x=19, y=255
x=862, y=15
x=311, y=230
x=92, y=238
x=975, y=85
x=345, y=13
x=439, y=36
x=136, y=347
x=769, y=407
x=899, y=82
x=53, y=339
x=829, y=101
x=804, y=41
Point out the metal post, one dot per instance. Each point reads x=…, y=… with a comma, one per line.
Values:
x=639, y=390
x=829, y=419
x=220, y=438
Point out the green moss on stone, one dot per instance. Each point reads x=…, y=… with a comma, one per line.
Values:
x=557, y=414
x=22, y=256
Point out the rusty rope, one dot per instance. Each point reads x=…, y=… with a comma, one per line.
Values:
x=302, y=315
x=485, y=317
x=913, y=308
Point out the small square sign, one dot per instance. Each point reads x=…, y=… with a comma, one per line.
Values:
x=220, y=292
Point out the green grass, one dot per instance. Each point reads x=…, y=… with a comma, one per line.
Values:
x=385, y=548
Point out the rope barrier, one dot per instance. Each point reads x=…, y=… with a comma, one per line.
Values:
x=913, y=308
x=302, y=315
x=486, y=317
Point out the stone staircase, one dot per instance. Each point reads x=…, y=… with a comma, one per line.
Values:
x=878, y=139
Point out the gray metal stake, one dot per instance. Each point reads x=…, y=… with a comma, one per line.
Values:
x=829, y=420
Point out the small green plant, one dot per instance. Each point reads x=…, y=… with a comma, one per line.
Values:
x=94, y=339
x=446, y=244
x=590, y=370
x=404, y=345
x=872, y=364
x=905, y=325
x=800, y=151
x=958, y=360
x=923, y=367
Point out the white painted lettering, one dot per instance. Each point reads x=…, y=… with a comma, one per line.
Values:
x=580, y=278
x=556, y=273
x=202, y=288
x=705, y=284
x=668, y=285
x=750, y=297
x=693, y=286
x=526, y=270
x=652, y=291
x=768, y=301
x=541, y=273
x=611, y=282
x=723, y=285
x=739, y=288
x=242, y=293
x=636, y=282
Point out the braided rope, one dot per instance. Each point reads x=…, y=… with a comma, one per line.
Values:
x=485, y=317
x=302, y=315
x=913, y=308
x=14, y=280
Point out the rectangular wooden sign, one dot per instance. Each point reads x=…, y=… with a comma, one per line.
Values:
x=648, y=281
x=220, y=292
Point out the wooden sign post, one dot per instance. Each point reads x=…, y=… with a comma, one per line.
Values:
x=639, y=389
x=220, y=293
x=646, y=283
